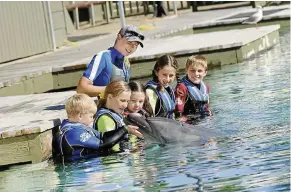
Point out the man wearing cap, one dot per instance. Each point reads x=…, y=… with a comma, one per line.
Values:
x=110, y=65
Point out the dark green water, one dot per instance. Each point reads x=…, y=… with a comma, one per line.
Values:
x=251, y=106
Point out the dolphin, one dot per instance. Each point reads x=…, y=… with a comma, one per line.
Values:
x=159, y=130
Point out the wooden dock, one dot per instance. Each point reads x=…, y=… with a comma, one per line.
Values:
x=26, y=126
x=220, y=48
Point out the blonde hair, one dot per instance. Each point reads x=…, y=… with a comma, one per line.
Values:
x=114, y=88
x=196, y=60
x=80, y=103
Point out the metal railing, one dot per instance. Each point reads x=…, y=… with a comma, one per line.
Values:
x=132, y=8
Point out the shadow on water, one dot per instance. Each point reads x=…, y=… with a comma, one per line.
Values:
x=251, y=103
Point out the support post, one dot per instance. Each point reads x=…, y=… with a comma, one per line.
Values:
x=175, y=7
x=253, y=4
x=107, y=11
x=194, y=6
x=92, y=14
x=51, y=26
x=121, y=13
x=76, y=17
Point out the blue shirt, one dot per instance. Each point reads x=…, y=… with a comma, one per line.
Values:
x=105, y=66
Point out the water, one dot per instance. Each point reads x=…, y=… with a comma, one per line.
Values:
x=251, y=106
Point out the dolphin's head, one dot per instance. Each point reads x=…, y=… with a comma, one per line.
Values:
x=151, y=135
x=159, y=130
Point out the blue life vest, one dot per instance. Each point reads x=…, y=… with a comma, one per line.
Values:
x=88, y=138
x=196, y=95
x=117, y=118
x=167, y=99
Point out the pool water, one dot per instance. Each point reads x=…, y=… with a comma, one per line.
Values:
x=251, y=106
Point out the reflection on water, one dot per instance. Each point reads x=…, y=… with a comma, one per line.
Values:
x=250, y=102
x=30, y=177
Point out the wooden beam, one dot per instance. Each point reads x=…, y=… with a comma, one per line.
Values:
x=83, y=5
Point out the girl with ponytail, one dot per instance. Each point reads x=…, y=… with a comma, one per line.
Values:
x=159, y=91
x=109, y=116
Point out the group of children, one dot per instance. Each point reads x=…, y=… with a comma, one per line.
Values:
x=91, y=129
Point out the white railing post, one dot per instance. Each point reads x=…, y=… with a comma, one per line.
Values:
x=76, y=16
x=175, y=7
x=92, y=13
x=51, y=25
x=121, y=13
x=107, y=11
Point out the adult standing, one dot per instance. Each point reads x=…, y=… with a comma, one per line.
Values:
x=110, y=64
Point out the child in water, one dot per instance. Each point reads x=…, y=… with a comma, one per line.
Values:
x=109, y=116
x=138, y=100
x=76, y=139
x=161, y=95
x=192, y=94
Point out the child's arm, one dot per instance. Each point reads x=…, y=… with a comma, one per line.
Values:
x=111, y=138
x=181, y=95
x=152, y=97
x=106, y=125
x=93, y=71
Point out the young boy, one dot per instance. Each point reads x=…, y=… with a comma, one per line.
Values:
x=192, y=94
x=76, y=139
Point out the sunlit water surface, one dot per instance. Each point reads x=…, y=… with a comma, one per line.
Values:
x=251, y=106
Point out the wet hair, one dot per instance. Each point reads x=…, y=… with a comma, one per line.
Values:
x=80, y=103
x=163, y=61
x=196, y=60
x=114, y=88
x=135, y=86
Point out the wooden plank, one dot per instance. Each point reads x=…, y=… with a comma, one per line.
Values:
x=14, y=150
x=10, y=132
x=40, y=146
x=31, y=130
x=71, y=7
x=251, y=49
x=33, y=148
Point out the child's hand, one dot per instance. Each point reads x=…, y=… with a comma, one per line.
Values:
x=182, y=119
x=133, y=130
